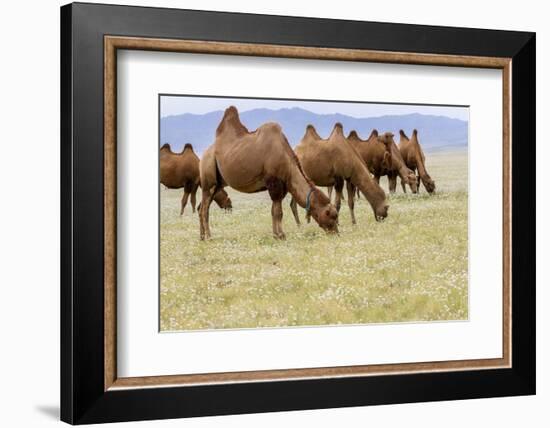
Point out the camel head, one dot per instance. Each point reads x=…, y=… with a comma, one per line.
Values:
x=386, y=138
x=410, y=180
x=322, y=211
x=379, y=203
x=226, y=203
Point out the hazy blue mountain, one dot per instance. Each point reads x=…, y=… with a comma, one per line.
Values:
x=435, y=132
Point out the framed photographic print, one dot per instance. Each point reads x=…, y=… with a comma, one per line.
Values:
x=265, y=213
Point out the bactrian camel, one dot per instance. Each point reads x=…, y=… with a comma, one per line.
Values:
x=256, y=161
x=332, y=162
x=414, y=158
x=181, y=170
x=382, y=157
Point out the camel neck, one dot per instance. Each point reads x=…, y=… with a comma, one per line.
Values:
x=299, y=188
x=361, y=179
x=420, y=165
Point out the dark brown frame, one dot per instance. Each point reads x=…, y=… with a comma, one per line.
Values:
x=114, y=43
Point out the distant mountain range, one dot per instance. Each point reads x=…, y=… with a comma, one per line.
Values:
x=435, y=133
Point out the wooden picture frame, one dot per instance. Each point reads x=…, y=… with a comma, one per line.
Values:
x=91, y=390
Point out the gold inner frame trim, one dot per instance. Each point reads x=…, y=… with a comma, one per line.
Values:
x=113, y=43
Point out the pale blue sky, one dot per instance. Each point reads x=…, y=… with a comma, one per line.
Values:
x=174, y=105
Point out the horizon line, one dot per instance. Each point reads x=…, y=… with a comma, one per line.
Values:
x=330, y=114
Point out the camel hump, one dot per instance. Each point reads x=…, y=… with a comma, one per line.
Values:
x=231, y=121
x=312, y=132
x=415, y=132
x=166, y=146
x=338, y=130
x=353, y=134
x=402, y=133
x=373, y=134
x=188, y=146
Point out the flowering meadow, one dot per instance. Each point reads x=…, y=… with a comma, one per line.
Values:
x=412, y=267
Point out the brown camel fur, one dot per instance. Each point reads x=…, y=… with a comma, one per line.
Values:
x=256, y=161
x=332, y=162
x=382, y=157
x=414, y=158
x=179, y=170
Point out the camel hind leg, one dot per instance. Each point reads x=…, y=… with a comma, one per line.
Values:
x=204, y=212
x=351, y=202
x=392, y=182
x=194, y=197
x=184, y=199
x=211, y=182
x=294, y=208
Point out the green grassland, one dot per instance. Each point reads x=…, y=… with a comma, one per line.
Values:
x=411, y=267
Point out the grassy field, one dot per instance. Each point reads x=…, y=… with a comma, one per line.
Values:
x=411, y=267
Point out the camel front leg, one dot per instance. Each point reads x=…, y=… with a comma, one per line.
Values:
x=277, y=218
x=351, y=202
x=204, y=211
x=338, y=187
x=329, y=191
x=184, y=201
x=294, y=208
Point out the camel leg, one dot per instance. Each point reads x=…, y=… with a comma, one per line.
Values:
x=277, y=191
x=184, y=201
x=392, y=181
x=418, y=184
x=194, y=198
x=277, y=218
x=377, y=179
x=204, y=210
x=294, y=208
x=338, y=187
x=351, y=202
x=329, y=191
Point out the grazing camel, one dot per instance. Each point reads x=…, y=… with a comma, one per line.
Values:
x=332, y=161
x=415, y=160
x=256, y=161
x=382, y=157
x=179, y=170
